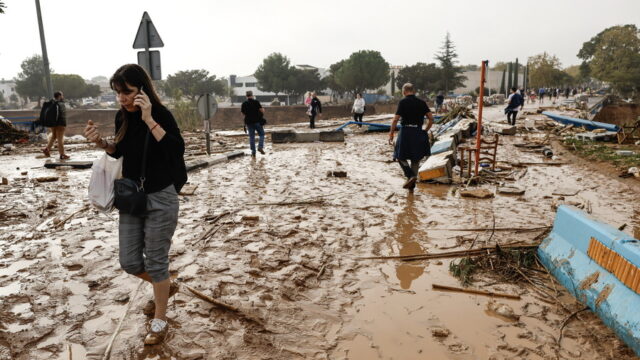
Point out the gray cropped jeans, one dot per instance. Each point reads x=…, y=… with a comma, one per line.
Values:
x=145, y=240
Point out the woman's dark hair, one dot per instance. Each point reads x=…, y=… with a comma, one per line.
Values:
x=359, y=94
x=136, y=76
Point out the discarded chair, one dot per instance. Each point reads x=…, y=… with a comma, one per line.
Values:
x=488, y=153
x=629, y=134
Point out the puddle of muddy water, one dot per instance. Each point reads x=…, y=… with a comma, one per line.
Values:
x=293, y=268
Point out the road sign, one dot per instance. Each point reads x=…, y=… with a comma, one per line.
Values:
x=154, y=64
x=147, y=36
x=207, y=106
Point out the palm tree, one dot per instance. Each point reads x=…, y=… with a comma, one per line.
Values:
x=2, y=6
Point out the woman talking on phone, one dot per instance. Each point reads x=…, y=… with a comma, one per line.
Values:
x=148, y=139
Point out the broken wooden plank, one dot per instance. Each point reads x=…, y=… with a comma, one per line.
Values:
x=73, y=164
x=475, y=291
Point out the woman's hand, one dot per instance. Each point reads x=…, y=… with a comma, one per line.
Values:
x=142, y=101
x=91, y=133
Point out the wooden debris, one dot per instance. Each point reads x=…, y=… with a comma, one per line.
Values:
x=107, y=352
x=565, y=192
x=46, y=179
x=210, y=300
x=63, y=221
x=496, y=229
x=451, y=254
x=474, y=291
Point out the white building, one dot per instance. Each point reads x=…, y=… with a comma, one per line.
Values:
x=493, y=79
x=8, y=88
x=242, y=84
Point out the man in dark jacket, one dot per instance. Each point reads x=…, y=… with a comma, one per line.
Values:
x=413, y=142
x=315, y=109
x=253, y=120
x=514, y=102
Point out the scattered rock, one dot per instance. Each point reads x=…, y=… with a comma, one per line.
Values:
x=250, y=218
x=121, y=297
x=440, y=332
x=340, y=174
x=24, y=173
x=477, y=193
x=510, y=190
x=503, y=310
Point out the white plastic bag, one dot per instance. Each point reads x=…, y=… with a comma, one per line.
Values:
x=103, y=172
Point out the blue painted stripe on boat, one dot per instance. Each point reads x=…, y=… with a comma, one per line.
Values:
x=588, y=124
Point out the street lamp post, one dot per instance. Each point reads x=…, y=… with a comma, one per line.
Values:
x=45, y=58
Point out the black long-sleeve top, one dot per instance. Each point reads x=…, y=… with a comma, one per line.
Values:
x=165, y=158
x=316, y=106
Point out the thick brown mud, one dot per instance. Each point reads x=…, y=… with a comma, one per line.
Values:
x=292, y=268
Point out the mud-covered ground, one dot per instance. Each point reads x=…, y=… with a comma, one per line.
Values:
x=286, y=255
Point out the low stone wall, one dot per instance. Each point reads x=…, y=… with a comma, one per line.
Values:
x=225, y=118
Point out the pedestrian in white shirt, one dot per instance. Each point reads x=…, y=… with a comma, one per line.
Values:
x=358, y=108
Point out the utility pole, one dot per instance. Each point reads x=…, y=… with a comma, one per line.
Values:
x=45, y=58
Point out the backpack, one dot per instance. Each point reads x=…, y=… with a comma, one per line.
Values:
x=49, y=114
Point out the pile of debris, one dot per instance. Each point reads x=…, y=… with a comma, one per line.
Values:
x=9, y=134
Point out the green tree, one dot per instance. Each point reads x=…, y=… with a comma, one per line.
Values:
x=2, y=99
x=192, y=83
x=274, y=74
x=2, y=7
x=331, y=81
x=424, y=77
x=13, y=98
x=365, y=69
x=613, y=56
x=301, y=81
x=544, y=70
x=451, y=74
x=73, y=86
x=31, y=82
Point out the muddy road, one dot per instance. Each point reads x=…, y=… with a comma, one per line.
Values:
x=284, y=252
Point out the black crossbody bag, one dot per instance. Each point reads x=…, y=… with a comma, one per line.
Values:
x=130, y=197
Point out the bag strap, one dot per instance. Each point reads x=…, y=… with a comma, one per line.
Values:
x=144, y=160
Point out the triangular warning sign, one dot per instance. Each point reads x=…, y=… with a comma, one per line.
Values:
x=152, y=39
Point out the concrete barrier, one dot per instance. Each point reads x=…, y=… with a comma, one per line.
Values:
x=598, y=264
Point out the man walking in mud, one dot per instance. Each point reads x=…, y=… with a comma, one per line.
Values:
x=254, y=119
x=413, y=142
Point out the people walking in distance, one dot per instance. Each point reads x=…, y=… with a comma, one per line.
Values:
x=315, y=110
x=514, y=102
x=254, y=120
x=439, y=102
x=413, y=142
x=148, y=139
x=358, y=108
x=541, y=93
x=57, y=130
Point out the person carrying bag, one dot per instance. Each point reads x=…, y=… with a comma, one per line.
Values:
x=149, y=142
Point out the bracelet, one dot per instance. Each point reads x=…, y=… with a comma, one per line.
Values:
x=154, y=126
x=106, y=144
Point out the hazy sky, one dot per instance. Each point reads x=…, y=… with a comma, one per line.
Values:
x=90, y=38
